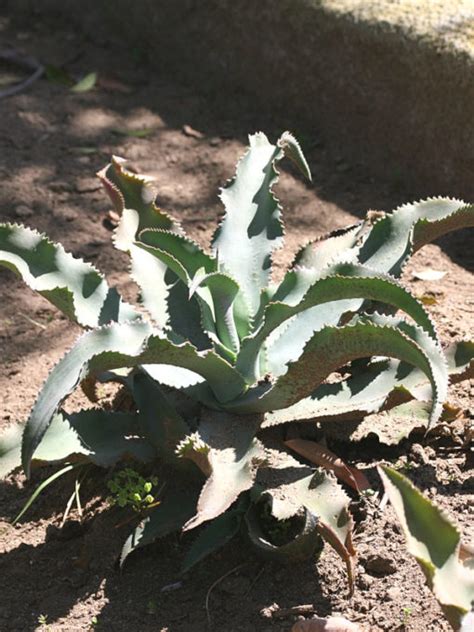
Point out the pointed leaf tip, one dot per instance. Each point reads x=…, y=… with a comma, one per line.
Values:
x=293, y=151
x=251, y=228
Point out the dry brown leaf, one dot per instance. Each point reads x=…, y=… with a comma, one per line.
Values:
x=331, y=624
x=320, y=455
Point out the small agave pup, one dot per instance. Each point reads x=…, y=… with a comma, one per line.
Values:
x=225, y=354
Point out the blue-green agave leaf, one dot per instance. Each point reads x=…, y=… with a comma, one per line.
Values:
x=159, y=420
x=101, y=437
x=115, y=346
x=96, y=436
x=293, y=151
x=251, y=228
x=226, y=450
x=383, y=384
x=224, y=291
x=303, y=546
x=333, y=347
x=385, y=241
x=199, y=311
x=299, y=294
x=133, y=197
x=183, y=249
x=10, y=449
x=395, y=236
x=213, y=537
x=72, y=285
x=176, y=507
x=291, y=488
x=329, y=249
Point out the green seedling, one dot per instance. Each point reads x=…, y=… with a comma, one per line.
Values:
x=43, y=622
x=151, y=607
x=130, y=489
x=406, y=614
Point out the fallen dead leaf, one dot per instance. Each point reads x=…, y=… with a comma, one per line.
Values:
x=320, y=455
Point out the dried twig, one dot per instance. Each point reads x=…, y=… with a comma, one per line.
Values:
x=218, y=581
x=28, y=318
x=23, y=61
x=257, y=577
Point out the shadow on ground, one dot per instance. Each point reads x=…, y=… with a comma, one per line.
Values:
x=67, y=570
x=49, y=136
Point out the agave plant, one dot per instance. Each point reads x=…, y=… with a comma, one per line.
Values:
x=435, y=542
x=219, y=353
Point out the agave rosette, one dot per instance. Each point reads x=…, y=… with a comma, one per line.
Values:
x=249, y=352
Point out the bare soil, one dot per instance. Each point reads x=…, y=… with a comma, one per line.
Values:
x=52, y=141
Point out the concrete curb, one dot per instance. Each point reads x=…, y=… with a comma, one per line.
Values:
x=389, y=83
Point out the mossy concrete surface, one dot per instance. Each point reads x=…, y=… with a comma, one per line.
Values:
x=387, y=82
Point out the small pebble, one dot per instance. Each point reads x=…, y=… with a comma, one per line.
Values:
x=86, y=185
x=23, y=211
x=365, y=581
x=66, y=214
x=378, y=564
x=60, y=187
x=430, y=452
x=394, y=593
x=417, y=453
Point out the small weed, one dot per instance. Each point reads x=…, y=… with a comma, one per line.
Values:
x=151, y=607
x=131, y=489
x=404, y=466
x=43, y=622
x=406, y=614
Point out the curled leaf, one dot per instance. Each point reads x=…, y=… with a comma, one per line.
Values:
x=322, y=456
